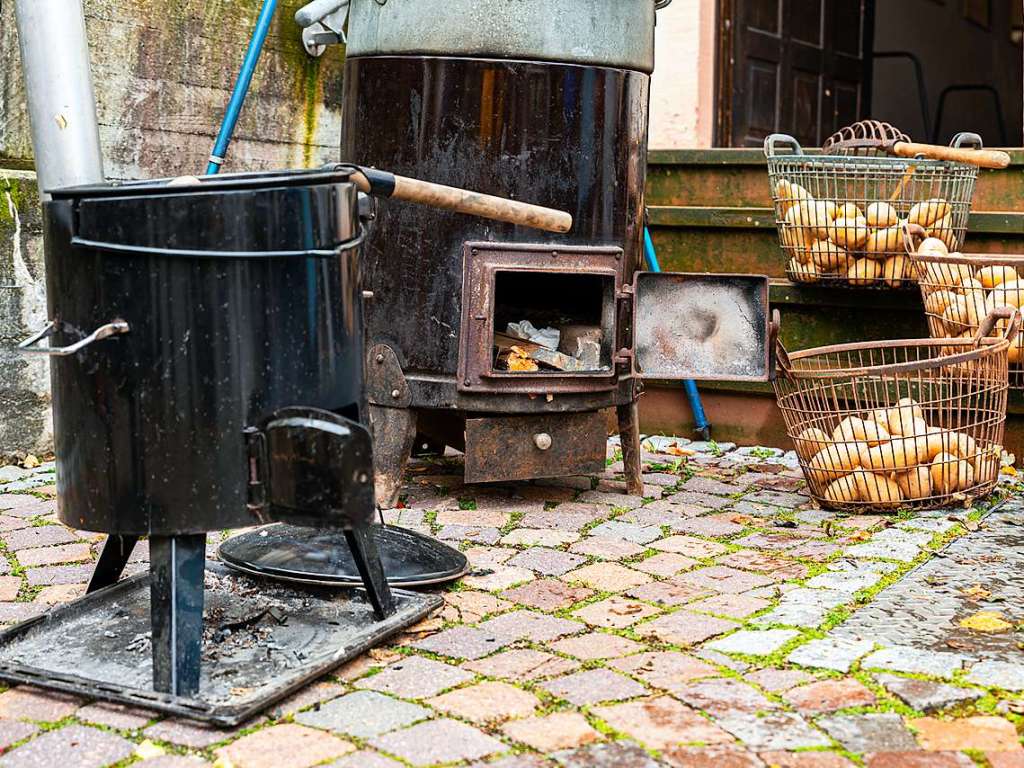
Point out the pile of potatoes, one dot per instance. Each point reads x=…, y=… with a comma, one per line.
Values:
x=891, y=456
x=838, y=240
x=957, y=297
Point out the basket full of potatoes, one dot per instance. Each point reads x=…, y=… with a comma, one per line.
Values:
x=840, y=217
x=960, y=289
x=898, y=424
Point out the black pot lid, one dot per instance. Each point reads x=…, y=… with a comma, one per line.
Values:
x=317, y=556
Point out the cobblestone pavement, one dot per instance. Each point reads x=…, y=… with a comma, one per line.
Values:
x=721, y=620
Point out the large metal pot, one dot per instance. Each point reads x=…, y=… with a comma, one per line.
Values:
x=184, y=319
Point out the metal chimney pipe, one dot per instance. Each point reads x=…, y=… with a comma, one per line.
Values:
x=58, y=86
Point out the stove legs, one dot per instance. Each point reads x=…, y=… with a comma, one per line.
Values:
x=176, y=566
x=394, y=432
x=113, y=558
x=629, y=435
x=371, y=570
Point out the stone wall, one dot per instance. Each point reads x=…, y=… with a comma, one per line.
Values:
x=162, y=71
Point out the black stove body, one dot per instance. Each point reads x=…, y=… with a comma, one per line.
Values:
x=207, y=349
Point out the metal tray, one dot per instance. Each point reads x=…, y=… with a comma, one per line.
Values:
x=283, y=637
x=301, y=555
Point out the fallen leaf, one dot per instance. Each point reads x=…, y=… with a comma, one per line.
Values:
x=861, y=535
x=30, y=462
x=986, y=621
x=741, y=519
x=148, y=749
x=977, y=592
x=675, y=450
x=1010, y=470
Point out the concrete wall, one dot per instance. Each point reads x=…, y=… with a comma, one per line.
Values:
x=683, y=88
x=952, y=51
x=162, y=70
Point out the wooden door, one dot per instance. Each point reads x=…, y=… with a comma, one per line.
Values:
x=792, y=66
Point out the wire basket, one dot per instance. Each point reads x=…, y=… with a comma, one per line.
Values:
x=960, y=289
x=885, y=425
x=839, y=215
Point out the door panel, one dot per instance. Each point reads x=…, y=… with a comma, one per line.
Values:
x=795, y=66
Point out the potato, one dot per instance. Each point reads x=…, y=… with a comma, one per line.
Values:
x=950, y=474
x=882, y=215
x=842, y=491
x=932, y=245
x=963, y=445
x=795, y=239
x=928, y=211
x=853, y=429
x=963, y=315
x=943, y=230
x=847, y=210
x=943, y=275
x=833, y=462
x=915, y=449
x=895, y=270
x=1008, y=294
x=878, y=489
x=811, y=441
x=880, y=417
x=887, y=457
x=986, y=464
x=849, y=232
x=901, y=417
x=789, y=194
x=864, y=272
x=881, y=242
x=990, y=277
x=938, y=301
x=939, y=441
x=915, y=483
x=802, y=273
x=812, y=216
x=829, y=257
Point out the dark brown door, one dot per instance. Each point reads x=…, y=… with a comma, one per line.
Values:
x=792, y=66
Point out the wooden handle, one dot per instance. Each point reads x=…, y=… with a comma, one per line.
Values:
x=984, y=158
x=475, y=203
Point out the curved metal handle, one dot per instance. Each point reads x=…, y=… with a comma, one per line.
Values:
x=316, y=11
x=1000, y=313
x=782, y=139
x=968, y=140
x=913, y=235
x=114, y=328
x=659, y=4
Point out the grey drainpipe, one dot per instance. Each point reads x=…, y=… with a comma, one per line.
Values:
x=58, y=86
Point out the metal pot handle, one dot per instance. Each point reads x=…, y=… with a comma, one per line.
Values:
x=114, y=328
x=81, y=242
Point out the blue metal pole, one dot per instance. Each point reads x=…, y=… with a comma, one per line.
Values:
x=700, y=420
x=252, y=56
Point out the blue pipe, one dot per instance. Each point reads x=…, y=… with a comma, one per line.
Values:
x=700, y=420
x=252, y=56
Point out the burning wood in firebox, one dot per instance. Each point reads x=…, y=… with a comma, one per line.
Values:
x=527, y=349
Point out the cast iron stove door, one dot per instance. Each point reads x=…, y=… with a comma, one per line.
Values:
x=701, y=326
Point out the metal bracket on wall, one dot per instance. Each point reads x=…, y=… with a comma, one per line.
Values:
x=385, y=381
x=323, y=24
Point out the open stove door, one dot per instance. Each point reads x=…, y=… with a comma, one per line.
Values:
x=703, y=326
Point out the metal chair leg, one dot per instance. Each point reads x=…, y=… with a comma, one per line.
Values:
x=176, y=566
x=371, y=570
x=113, y=558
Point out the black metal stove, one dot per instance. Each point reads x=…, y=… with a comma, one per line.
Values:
x=207, y=350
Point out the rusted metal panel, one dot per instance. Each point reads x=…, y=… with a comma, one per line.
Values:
x=689, y=326
x=385, y=382
x=525, y=447
x=482, y=261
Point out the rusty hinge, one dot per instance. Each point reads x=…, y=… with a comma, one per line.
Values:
x=256, y=489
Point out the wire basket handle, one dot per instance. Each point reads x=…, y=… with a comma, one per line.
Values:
x=783, y=363
x=967, y=139
x=913, y=236
x=989, y=323
x=781, y=139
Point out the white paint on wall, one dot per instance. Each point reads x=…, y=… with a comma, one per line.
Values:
x=683, y=87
